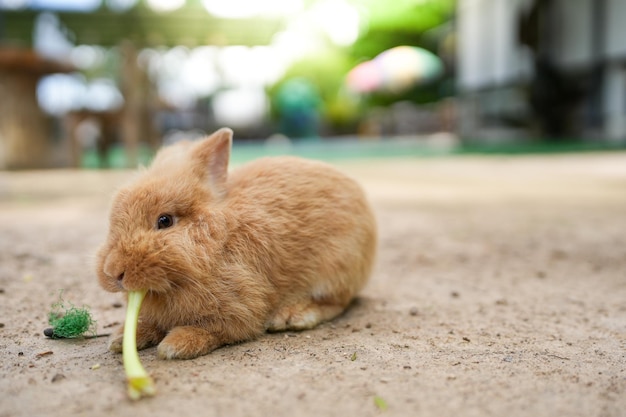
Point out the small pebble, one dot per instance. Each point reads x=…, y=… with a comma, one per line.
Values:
x=57, y=377
x=413, y=311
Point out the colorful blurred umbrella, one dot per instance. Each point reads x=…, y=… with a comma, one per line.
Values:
x=395, y=70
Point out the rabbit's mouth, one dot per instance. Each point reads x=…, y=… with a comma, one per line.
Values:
x=139, y=278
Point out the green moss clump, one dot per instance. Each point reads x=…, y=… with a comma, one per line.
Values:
x=70, y=322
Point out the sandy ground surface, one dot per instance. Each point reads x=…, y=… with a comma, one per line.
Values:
x=500, y=290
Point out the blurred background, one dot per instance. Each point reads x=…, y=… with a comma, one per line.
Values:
x=104, y=83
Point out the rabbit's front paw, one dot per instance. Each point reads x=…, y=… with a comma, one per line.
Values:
x=115, y=344
x=147, y=336
x=116, y=340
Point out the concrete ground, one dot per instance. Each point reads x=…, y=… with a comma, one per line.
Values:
x=500, y=289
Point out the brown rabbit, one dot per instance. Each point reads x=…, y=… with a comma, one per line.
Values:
x=280, y=243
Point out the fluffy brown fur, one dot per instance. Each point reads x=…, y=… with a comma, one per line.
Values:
x=280, y=243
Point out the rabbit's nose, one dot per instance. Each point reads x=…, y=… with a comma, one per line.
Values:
x=120, y=281
x=114, y=273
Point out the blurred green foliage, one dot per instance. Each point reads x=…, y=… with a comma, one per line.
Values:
x=398, y=22
x=386, y=24
x=325, y=71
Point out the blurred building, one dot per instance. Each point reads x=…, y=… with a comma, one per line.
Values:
x=551, y=68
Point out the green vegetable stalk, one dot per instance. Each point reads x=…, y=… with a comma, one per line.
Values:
x=139, y=382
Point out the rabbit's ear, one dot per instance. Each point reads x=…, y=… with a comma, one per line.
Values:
x=211, y=157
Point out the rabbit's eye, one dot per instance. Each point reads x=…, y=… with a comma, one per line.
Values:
x=164, y=221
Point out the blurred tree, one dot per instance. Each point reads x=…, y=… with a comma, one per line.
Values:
x=386, y=24
x=423, y=23
x=188, y=25
x=325, y=72
x=23, y=126
x=401, y=22
x=127, y=30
